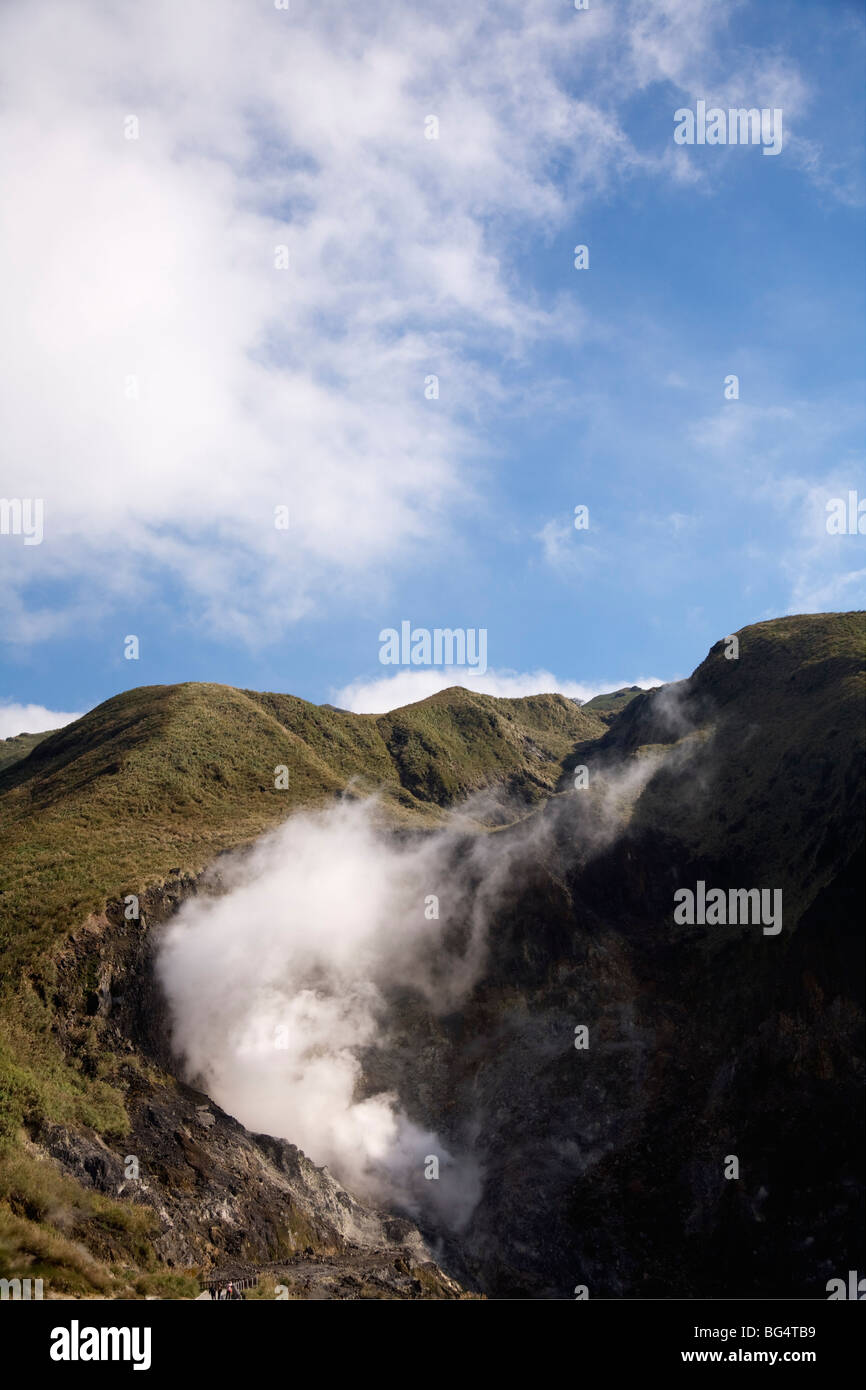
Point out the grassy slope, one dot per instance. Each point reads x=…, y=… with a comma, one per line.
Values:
x=12, y=750
x=611, y=703
x=165, y=777
x=786, y=716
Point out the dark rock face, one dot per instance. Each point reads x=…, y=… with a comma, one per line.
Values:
x=606, y=1166
x=223, y=1198
x=222, y=1193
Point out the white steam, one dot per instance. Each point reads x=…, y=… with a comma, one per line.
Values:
x=276, y=988
x=293, y=984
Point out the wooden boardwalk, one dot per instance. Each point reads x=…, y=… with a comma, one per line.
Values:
x=239, y=1282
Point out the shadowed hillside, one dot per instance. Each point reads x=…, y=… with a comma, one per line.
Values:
x=12, y=750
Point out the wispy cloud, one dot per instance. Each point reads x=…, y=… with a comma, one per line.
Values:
x=194, y=385
x=167, y=386
x=379, y=695
x=31, y=719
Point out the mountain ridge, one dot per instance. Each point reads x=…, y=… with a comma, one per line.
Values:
x=749, y=766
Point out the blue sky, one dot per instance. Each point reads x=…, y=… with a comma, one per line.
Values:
x=167, y=386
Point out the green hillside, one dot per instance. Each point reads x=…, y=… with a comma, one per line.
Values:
x=12, y=750
x=163, y=778
x=611, y=703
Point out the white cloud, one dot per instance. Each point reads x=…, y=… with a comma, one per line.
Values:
x=257, y=386
x=738, y=424
x=837, y=594
x=30, y=719
x=380, y=695
x=153, y=259
x=693, y=45
x=565, y=549
x=825, y=571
